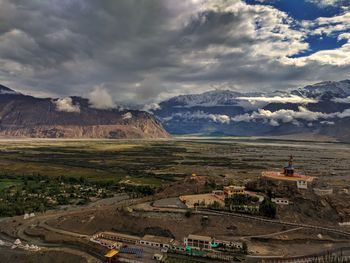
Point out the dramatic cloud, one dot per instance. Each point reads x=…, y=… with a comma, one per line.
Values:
x=148, y=50
x=100, y=98
x=66, y=104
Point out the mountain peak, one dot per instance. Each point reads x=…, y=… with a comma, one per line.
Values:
x=6, y=90
x=337, y=88
x=208, y=98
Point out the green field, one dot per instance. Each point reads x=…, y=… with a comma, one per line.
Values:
x=94, y=160
x=162, y=162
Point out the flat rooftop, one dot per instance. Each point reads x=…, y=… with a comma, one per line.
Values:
x=121, y=235
x=158, y=239
x=280, y=176
x=197, y=237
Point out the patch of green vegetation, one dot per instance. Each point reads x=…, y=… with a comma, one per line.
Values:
x=7, y=183
x=268, y=208
x=36, y=193
x=159, y=163
x=178, y=259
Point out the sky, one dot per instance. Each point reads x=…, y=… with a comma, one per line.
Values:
x=144, y=51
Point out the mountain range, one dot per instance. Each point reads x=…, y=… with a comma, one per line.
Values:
x=71, y=117
x=321, y=109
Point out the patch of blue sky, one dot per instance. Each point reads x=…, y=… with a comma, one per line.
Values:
x=320, y=42
x=301, y=9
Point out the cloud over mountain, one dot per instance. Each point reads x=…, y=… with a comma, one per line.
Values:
x=100, y=98
x=66, y=105
x=145, y=51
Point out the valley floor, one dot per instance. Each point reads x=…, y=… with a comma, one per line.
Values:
x=166, y=166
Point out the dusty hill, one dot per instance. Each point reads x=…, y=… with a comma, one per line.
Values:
x=72, y=117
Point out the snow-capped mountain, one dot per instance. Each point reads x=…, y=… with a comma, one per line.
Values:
x=210, y=98
x=319, y=109
x=337, y=89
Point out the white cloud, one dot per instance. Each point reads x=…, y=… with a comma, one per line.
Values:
x=127, y=116
x=325, y=3
x=344, y=114
x=66, y=105
x=151, y=107
x=288, y=116
x=342, y=100
x=100, y=98
x=272, y=118
x=279, y=99
x=219, y=118
x=274, y=123
x=327, y=122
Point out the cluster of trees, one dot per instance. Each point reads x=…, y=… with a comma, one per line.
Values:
x=38, y=193
x=267, y=207
x=241, y=200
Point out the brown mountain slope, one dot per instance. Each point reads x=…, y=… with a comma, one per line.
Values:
x=27, y=116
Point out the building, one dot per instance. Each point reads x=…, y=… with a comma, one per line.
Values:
x=111, y=254
x=113, y=240
x=107, y=243
x=156, y=241
x=288, y=174
x=117, y=237
x=234, y=190
x=302, y=184
x=198, y=242
x=209, y=243
x=219, y=194
x=194, y=177
x=280, y=201
x=230, y=244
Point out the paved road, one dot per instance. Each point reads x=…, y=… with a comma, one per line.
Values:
x=41, y=220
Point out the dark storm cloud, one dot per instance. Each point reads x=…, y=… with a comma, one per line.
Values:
x=143, y=50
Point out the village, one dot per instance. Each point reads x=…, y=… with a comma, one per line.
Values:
x=260, y=200
x=231, y=198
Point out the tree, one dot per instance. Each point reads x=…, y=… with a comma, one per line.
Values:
x=269, y=194
x=244, y=248
x=188, y=213
x=215, y=205
x=268, y=209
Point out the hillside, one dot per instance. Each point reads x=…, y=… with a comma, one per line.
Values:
x=71, y=117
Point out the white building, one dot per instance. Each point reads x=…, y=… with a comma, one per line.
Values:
x=156, y=241
x=198, y=242
x=280, y=201
x=302, y=184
